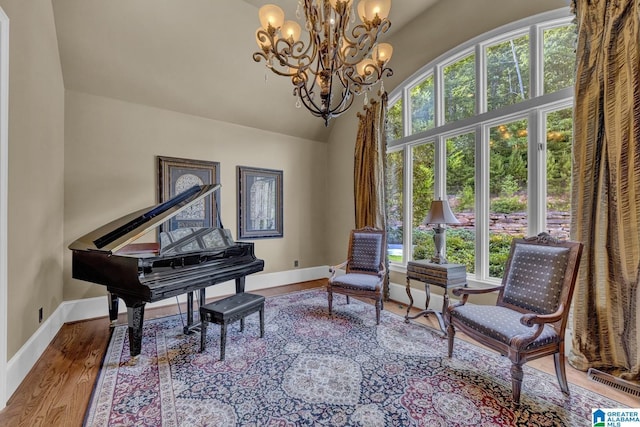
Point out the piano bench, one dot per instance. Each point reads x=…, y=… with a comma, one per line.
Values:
x=228, y=310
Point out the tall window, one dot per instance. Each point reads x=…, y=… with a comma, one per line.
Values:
x=488, y=127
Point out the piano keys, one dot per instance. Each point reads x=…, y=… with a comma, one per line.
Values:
x=189, y=260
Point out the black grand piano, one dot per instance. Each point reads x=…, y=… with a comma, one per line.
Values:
x=187, y=261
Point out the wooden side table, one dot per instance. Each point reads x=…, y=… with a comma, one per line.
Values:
x=446, y=276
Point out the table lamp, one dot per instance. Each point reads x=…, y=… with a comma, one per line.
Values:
x=440, y=214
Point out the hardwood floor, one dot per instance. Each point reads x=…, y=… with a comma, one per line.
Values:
x=56, y=392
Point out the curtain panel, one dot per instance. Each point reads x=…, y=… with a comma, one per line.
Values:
x=606, y=187
x=369, y=171
x=369, y=162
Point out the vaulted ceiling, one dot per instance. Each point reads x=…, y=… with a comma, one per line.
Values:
x=192, y=57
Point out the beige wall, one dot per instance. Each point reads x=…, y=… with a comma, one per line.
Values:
x=36, y=155
x=110, y=154
x=438, y=30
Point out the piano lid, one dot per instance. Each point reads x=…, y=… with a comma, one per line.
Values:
x=119, y=233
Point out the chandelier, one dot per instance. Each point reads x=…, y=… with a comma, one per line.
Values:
x=339, y=59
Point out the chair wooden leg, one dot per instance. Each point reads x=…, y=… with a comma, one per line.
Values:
x=516, y=381
x=378, y=309
x=561, y=373
x=451, y=334
x=348, y=301
x=330, y=298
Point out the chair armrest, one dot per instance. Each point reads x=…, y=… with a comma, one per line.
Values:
x=334, y=268
x=465, y=292
x=531, y=319
x=383, y=271
x=475, y=291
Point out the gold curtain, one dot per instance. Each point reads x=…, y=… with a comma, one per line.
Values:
x=369, y=171
x=368, y=179
x=606, y=187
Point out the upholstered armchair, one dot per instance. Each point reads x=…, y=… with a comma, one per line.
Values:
x=365, y=269
x=529, y=318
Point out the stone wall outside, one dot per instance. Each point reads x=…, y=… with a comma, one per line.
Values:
x=558, y=223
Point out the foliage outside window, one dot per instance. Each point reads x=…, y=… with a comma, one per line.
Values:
x=423, y=181
x=559, y=58
x=459, y=89
x=395, y=205
x=508, y=72
x=461, y=194
x=394, y=121
x=504, y=164
x=559, y=140
x=508, y=144
x=422, y=108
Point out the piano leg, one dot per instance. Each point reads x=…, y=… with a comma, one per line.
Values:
x=113, y=308
x=191, y=325
x=240, y=285
x=187, y=329
x=135, y=316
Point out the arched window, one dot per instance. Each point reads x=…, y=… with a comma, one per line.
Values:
x=488, y=126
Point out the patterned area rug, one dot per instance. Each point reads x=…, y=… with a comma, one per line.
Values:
x=312, y=369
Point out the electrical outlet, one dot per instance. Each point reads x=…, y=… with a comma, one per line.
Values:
x=40, y=315
x=295, y=263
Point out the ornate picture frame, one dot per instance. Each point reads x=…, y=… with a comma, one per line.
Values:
x=259, y=203
x=176, y=175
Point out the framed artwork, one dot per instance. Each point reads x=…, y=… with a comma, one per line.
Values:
x=177, y=175
x=259, y=203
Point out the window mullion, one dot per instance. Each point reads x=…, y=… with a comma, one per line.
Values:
x=406, y=112
x=438, y=96
x=440, y=166
x=482, y=202
x=407, y=198
x=537, y=175
x=536, y=57
x=481, y=80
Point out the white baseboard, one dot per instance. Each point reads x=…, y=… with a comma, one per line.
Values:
x=70, y=311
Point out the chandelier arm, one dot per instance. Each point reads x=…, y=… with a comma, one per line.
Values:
x=343, y=106
x=324, y=110
x=339, y=34
x=325, y=113
x=291, y=55
x=363, y=38
x=308, y=101
x=346, y=97
x=257, y=56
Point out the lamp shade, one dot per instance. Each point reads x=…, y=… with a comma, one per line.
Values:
x=382, y=52
x=291, y=30
x=366, y=67
x=360, y=10
x=270, y=14
x=440, y=213
x=379, y=8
